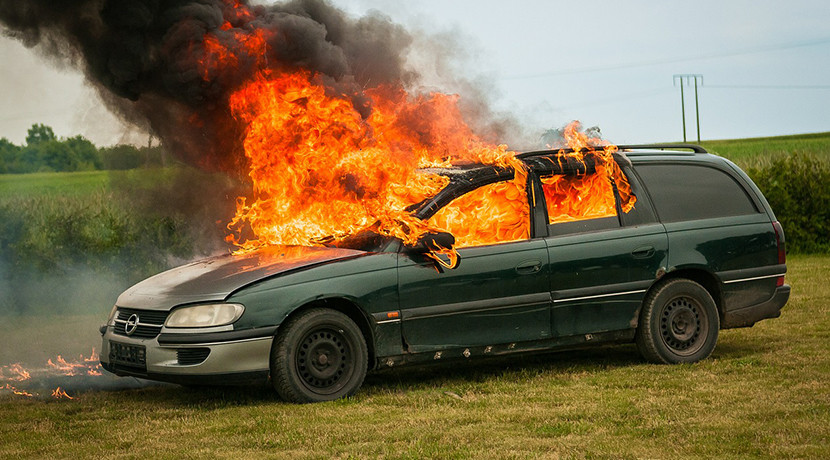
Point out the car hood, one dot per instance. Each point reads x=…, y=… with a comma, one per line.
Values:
x=213, y=279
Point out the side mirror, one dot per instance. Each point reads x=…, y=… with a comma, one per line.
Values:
x=438, y=246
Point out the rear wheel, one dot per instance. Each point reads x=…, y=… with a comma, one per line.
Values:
x=319, y=355
x=678, y=323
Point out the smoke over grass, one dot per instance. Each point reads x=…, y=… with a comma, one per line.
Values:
x=73, y=252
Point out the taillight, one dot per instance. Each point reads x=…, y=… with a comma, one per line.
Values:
x=782, y=249
x=779, y=240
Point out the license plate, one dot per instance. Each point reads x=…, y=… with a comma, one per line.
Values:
x=128, y=355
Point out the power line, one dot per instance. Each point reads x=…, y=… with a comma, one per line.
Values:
x=673, y=60
x=612, y=99
x=770, y=86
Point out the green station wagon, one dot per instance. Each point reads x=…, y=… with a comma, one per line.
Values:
x=692, y=248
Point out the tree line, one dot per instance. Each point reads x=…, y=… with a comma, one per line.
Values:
x=44, y=152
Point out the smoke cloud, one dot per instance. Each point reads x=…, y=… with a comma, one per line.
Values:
x=151, y=62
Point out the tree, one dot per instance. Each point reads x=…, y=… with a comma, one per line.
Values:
x=8, y=155
x=39, y=133
x=122, y=157
x=86, y=155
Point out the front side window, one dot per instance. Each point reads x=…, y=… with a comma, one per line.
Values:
x=491, y=214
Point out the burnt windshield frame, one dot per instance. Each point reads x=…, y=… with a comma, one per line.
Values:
x=462, y=183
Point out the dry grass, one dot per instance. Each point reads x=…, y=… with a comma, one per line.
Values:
x=763, y=393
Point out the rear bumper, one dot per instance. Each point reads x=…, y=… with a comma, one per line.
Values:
x=746, y=317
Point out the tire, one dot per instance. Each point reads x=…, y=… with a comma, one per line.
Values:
x=678, y=323
x=319, y=355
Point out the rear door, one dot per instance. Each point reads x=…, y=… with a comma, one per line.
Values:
x=603, y=255
x=498, y=294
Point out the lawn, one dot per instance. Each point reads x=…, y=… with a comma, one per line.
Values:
x=760, y=151
x=52, y=183
x=79, y=183
x=763, y=393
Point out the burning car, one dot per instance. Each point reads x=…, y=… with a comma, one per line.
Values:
x=658, y=247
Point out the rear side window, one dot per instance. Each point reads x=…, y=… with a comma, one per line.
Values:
x=587, y=202
x=570, y=198
x=690, y=192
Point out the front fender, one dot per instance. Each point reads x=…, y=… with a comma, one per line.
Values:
x=370, y=282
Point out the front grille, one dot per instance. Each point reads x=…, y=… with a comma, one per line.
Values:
x=191, y=356
x=149, y=322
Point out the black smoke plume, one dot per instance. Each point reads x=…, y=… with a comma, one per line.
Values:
x=147, y=58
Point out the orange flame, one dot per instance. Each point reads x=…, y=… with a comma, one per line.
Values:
x=319, y=168
x=64, y=366
x=17, y=391
x=18, y=372
x=59, y=393
x=326, y=162
x=88, y=365
x=589, y=196
x=93, y=358
x=82, y=366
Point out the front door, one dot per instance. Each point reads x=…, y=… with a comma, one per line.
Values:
x=500, y=291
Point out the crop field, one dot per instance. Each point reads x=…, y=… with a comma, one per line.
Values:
x=762, y=394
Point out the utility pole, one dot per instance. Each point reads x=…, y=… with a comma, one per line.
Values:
x=686, y=79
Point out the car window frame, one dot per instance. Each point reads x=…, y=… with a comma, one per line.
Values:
x=742, y=185
x=458, y=190
x=596, y=224
x=646, y=211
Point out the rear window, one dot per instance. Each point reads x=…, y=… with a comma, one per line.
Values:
x=690, y=192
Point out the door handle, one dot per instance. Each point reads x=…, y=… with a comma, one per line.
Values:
x=643, y=253
x=529, y=267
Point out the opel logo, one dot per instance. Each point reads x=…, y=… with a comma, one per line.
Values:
x=131, y=325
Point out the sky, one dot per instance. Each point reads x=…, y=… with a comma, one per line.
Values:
x=765, y=67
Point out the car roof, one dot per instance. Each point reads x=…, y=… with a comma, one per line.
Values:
x=545, y=162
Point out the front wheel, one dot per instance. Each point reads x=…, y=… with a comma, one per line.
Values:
x=678, y=323
x=319, y=355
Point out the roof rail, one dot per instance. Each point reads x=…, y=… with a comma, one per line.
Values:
x=694, y=147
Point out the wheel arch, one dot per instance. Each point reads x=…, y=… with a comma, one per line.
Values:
x=700, y=276
x=348, y=308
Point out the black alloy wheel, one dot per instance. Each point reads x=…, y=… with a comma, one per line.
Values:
x=318, y=355
x=678, y=323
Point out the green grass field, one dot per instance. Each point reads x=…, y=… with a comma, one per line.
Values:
x=761, y=151
x=79, y=183
x=763, y=393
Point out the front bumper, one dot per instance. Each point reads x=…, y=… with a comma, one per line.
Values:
x=748, y=316
x=231, y=357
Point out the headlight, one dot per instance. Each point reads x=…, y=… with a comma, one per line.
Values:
x=111, y=319
x=205, y=315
